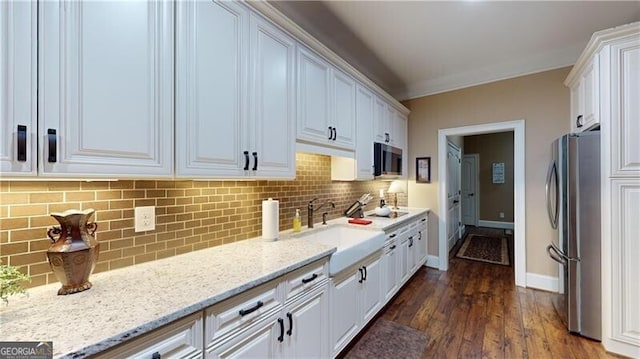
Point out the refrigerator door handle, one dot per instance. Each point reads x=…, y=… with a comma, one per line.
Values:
x=555, y=255
x=552, y=173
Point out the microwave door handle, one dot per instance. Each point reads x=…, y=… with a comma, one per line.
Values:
x=551, y=173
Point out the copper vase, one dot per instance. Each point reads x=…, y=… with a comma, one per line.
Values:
x=73, y=255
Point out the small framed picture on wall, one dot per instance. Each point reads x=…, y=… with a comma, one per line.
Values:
x=423, y=169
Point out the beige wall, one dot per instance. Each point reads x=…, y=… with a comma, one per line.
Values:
x=494, y=197
x=190, y=215
x=540, y=99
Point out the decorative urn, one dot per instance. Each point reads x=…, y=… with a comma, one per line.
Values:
x=73, y=255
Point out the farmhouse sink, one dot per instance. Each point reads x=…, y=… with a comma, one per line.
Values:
x=352, y=244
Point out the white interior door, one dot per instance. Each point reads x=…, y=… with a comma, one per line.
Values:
x=470, y=187
x=453, y=194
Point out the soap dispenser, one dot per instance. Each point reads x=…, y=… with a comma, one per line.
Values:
x=297, y=221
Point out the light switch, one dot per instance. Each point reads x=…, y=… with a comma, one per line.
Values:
x=145, y=218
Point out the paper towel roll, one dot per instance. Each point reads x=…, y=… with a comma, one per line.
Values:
x=270, y=219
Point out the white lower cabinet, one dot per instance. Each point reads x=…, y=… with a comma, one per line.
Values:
x=307, y=326
x=391, y=268
x=180, y=339
x=356, y=296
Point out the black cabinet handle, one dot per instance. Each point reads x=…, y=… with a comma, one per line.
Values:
x=310, y=279
x=579, y=121
x=423, y=220
x=392, y=236
x=455, y=201
x=330, y=132
x=244, y=312
x=281, y=337
x=386, y=137
x=156, y=355
x=361, y=275
x=335, y=134
x=246, y=160
x=255, y=161
x=22, y=143
x=410, y=241
x=392, y=247
x=52, y=139
x=290, y=331
x=419, y=236
x=365, y=272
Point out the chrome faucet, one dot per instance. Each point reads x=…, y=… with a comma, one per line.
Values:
x=311, y=208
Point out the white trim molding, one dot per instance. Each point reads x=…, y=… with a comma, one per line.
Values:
x=519, y=198
x=543, y=282
x=495, y=224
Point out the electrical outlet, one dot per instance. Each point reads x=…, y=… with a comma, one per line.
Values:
x=501, y=214
x=145, y=218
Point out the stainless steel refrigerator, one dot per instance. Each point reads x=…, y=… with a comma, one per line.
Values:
x=573, y=204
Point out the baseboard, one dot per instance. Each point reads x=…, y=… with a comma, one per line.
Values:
x=433, y=262
x=543, y=282
x=495, y=224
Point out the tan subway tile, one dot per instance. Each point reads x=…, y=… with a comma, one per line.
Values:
x=121, y=243
x=192, y=240
x=166, y=253
x=184, y=200
x=94, y=185
x=175, y=226
x=193, y=224
x=13, y=223
x=184, y=233
x=96, y=205
x=193, y=208
x=167, y=218
x=200, y=230
x=39, y=268
x=222, y=205
x=28, y=210
x=123, y=204
x=4, y=186
x=145, y=202
x=109, y=215
x=110, y=255
x=166, y=184
x=175, y=209
x=36, y=281
x=80, y=196
x=175, y=243
x=108, y=195
x=156, y=193
x=208, y=206
x=120, y=263
x=7, y=249
x=121, y=185
x=133, y=194
x=201, y=245
x=144, y=258
x=121, y=223
x=14, y=198
x=28, y=258
x=144, y=184
x=108, y=235
x=146, y=239
x=175, y=193
x=4, y=211
x=47, y=197
x=27, y=234
x=229, y=197
x=130, y=232
x=184, y=184
x=184, y=249
x=184, y=217
x=154, y=247
x=166, y=236
x=192, y=192
x=200, y=215
x=165, y=202
x=134, y=251
x=101, y=267
x=61, y=207
x=40, y=244
x=28, y=186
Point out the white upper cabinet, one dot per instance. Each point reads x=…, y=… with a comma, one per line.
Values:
x=585, y=98
x=212, y=85
x=272, y=104
x=364, y=142
x=105, y=88
x=18, y=59
x=326, y=102
x=390, y=124
x=235, y=98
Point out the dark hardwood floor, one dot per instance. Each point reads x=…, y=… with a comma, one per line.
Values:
x=474, y=310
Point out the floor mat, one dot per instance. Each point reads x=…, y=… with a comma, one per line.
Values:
x=488, y=249
x=386, y=339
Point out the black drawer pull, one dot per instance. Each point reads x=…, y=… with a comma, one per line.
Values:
x=290, y=331
x=246, y=160
x=310, y=279
x=335, y=133
x=255, y=161
x=420, y=236
x=330, y=132
x=392, y=247
x=410, y=242
x=423, y=220
x=579, y=121
x=22, y=143
x=361, y=275
x=52, y=139
x=281, y=337
x=244, y=312
x=156, y=355
x=392, y=236
x=365, y=272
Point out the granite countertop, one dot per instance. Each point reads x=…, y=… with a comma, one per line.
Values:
x=131, y=301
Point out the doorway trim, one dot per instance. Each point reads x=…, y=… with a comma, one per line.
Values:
x=519, y=198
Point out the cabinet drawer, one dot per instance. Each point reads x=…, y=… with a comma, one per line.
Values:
x=242, y=310
x=180, y=339
x=306, y=278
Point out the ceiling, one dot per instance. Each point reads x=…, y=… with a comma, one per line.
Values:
x=417, y=48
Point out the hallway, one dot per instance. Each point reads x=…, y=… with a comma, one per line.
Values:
x=475, y=311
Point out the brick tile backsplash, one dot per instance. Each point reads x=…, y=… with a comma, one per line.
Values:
x=190, y=215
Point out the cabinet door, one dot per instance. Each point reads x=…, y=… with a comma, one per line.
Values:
x=105, y=102
x=259, y=341
x=344, y=310
x=18, y=119
x=371, y=295
x=422, y=242
x=344, y=110
x=624, y=113
x=364, y=134
x=272, y=122
x=314, y=78
x=211, y=63
x=590, y=99
x=391, y=283
x=403, y=258
x=307, y=326
x=381, y=121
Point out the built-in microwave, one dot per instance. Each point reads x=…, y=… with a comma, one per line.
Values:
x=387, y=161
